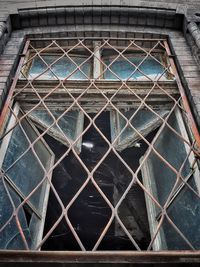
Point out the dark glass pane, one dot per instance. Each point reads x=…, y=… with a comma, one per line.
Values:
x=10, y=237
x=184, y=207
x=172, y=149
x=187, y=207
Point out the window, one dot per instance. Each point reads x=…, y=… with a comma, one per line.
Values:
x=142, y=120
x=97, y=150
x=134, y=66
x=24, y=170
x=40, y=64
x=67, y=128
x=179, y=190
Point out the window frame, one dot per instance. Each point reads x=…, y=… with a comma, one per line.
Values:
x=31, y=55
x=38, y=228
x=97, y=62
x=149, y=184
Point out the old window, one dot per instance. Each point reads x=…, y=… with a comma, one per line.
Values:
x=106, y=126
x=67, y=128
x=134, y=66
x=54, y=65
x=24, y=163
x=179, y=189
x=144, y=121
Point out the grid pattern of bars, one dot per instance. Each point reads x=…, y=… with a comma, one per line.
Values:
x=92, y=94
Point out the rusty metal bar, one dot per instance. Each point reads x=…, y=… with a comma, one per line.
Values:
x=12, y=88
x=97, y=38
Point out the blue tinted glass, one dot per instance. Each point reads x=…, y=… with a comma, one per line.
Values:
x=143, y=121
x=124, y=69
x=62, y=69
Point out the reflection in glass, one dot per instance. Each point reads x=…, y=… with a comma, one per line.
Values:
x=26, y=160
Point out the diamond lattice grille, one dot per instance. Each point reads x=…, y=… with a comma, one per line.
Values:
x=97, y=152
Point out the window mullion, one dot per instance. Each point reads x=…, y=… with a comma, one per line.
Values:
x=97, y=60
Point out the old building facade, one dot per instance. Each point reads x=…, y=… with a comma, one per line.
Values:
x=100, y=145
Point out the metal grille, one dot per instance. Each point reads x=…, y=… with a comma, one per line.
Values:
x=152, y=204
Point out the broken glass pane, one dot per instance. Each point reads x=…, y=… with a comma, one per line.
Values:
x=144, y=121
x=124, y=69
x=70, y=125
x=61, y=69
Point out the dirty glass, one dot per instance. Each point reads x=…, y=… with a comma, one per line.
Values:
x=61, y=69
x=69, y=125
x=21, y=164
x=185, y=204
x=144, y=121
x=126, y=68
x=10, y=237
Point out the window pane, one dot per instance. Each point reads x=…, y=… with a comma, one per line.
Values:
x=187, y=207
x=10, y=237
x=144, y=121
x=62, y=68
x=159, y=178
x=26, y=172
x=173, y=150
x=125, y=69
x=70, y=125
